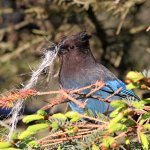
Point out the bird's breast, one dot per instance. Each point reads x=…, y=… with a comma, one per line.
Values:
x=77, y=78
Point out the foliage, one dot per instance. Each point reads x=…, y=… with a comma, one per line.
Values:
x=138, y=80
x=27, y=26
x=120, y=40
x=62, y=131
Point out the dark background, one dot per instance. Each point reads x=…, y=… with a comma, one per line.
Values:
x=27, y=27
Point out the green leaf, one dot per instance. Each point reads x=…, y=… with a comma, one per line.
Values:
x=117, y=127
x=14, y=135
x=37, y=127
x=42, y=112
x=59, y=116
x=144, y=141
x=127, y=141
x=141, y=121
x=25, y=134
x=118, y=103
x=131, y=86
x=31, y=118
x=55, y=125
x=146, y=115
x=5, y=145
x=59, y=148
x=108, y=141
x=95, y=147
x=125, y=112
x=118, y=118
x=145, y=101
x=147, y=126
x=71, y=130
x=75, y=119
x=137, y=105
x=135, y=76
x=72, y=114
x=33, y=144
x=128, y=121
x=102, y=117
x=116, y=112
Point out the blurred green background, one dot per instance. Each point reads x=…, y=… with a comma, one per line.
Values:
x=27, y=28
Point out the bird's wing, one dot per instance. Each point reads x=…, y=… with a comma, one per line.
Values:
x=114, y=85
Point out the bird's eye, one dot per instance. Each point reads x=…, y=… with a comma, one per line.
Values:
x=64, y=46
x=71, y=47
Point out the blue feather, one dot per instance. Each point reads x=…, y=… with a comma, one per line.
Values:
x=79, y=69
x=114, y=85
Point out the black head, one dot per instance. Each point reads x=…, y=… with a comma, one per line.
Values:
x=74, y=43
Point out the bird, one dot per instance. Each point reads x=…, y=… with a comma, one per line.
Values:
x=79, y=69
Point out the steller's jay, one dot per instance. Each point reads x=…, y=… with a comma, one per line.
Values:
x=79, y=69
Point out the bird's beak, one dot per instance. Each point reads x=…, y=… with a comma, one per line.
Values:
x=62, y=49
x=54, y=49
